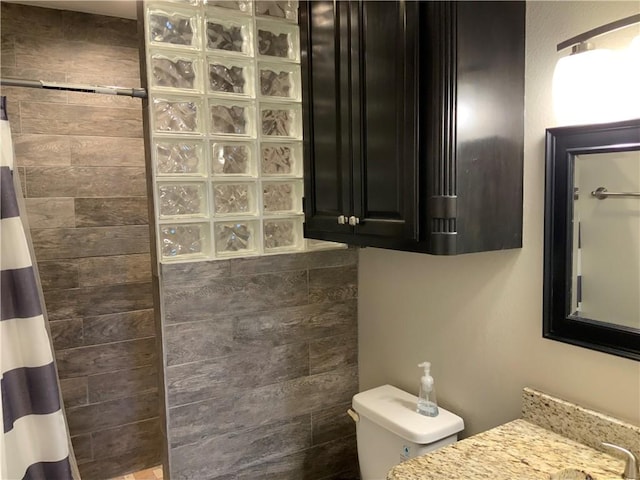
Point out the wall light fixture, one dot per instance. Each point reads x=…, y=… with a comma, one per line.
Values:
x=597, y=85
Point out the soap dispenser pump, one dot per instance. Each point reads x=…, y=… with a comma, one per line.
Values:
x=427, y=404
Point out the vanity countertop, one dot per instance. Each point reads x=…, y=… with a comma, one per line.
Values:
x=516, y=450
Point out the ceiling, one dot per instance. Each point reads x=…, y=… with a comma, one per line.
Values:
x=112, y=8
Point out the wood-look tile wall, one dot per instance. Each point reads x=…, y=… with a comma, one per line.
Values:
x=81, y=160
x=261, y=364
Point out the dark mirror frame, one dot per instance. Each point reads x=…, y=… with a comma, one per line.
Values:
x=562, y=146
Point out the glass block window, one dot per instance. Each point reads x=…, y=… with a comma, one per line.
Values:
x=225, y=109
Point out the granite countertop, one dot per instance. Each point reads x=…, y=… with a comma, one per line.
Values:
x=518, y=450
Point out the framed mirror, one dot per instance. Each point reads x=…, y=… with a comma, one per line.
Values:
x=592, y=237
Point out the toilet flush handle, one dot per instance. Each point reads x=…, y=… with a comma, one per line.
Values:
x=353, y=414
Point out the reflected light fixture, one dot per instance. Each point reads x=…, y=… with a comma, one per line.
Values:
x=597, y=85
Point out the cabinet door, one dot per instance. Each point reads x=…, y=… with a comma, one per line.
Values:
x=384, y=118
x=325, y=47
x=360, y=84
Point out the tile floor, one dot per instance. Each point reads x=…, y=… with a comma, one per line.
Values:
x=153, y=473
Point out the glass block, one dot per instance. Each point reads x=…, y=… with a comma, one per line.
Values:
x=282, y=197
x=235, y=237
x=312, y=244
x=282, y=234
x=176, y=71
x=230, y=76
x=234, y=198
x=287, y=9
x=179, y=157
x=228, y=34
x=231, y=118
x=173, y=28
x=239, y=5
x=281, y=121
x=281, y=159
x=180, y=199
x=184, y=240
x=188, y=2
x=280, y=81
x=232, y=158
x=278, y=40
x=176, y=115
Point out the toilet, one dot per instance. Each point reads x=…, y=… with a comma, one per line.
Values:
x=389, y=431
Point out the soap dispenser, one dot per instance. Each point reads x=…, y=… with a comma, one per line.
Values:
x=427, y=404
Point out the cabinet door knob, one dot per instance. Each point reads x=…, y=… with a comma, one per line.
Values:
x=353, y=221
x=342, y=220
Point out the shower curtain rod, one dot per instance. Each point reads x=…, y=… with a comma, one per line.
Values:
x=75, y=87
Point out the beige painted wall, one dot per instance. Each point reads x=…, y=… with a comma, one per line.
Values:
x=478, y=317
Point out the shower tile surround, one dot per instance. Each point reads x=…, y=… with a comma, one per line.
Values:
x=226, y=128
x=81, y=162
x=260, y=353
x=260, y=366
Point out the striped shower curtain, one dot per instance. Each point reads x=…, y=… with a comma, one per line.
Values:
x=35, y=442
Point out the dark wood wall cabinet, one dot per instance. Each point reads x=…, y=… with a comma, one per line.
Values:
x=414, y=124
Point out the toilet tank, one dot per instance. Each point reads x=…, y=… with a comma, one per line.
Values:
x=390, y=431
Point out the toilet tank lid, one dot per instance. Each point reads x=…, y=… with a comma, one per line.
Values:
x=395, y=410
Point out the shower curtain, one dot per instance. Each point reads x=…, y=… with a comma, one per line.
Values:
x=35, y=443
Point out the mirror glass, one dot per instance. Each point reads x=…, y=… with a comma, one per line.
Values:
x=592, y=237
x=606, y=238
